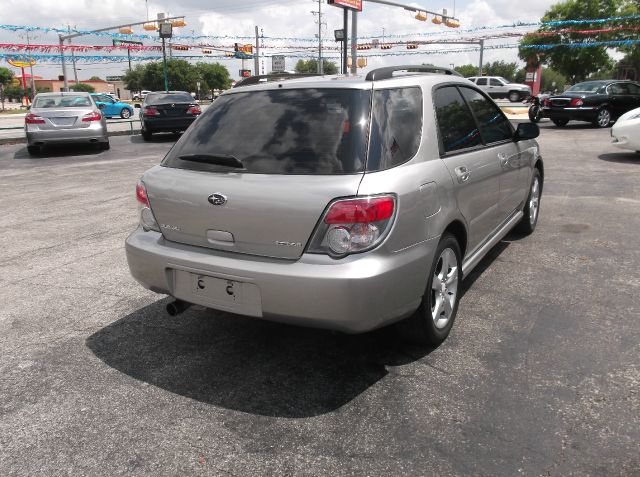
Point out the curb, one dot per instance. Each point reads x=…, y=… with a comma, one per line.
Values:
x=22, y=140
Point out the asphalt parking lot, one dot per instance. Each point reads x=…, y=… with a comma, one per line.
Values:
x=540, y=376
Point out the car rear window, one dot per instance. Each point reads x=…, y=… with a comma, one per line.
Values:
x=63, y=101
x=168, y=98
x=291, y=131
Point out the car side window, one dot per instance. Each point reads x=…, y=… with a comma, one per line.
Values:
x=634, y=88
x=482, y=82
x=495, y=82
x=494, y=125
x=618, y=88
x=396, y=127
x=456, y=125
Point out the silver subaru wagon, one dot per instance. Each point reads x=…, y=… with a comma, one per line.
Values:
x=346, y=203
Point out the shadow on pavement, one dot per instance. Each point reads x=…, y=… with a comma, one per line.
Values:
x=246, y=364
x=252, y=365
x=62, y=150
x=621, y=157
x=156, y=137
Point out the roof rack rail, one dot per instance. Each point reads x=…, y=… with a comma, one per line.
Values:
x=387, y=71
x=257, y=79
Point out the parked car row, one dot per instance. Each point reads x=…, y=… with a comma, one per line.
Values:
x=70, y=117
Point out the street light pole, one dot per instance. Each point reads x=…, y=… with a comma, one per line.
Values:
x=164, y=62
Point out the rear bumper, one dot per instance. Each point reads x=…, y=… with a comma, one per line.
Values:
x=167, y=124
x=358, y=293
x=94, y=133
x=588, y=114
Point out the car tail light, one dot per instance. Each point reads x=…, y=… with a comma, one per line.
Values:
x=576, y=102
x=194, y=110
x=353, y=225
x=151, y=111
x=33, y=119
x=147, y=219
x=92, y=116
x=547, y=102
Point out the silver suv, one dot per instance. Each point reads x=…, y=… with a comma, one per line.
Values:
x=499, y=87
x=346, y=203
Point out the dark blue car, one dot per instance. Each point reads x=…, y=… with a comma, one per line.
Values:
x=112, y=108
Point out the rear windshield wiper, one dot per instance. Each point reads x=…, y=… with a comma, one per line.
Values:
x=217, y=159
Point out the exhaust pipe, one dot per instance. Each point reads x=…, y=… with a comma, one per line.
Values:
x=177, y=306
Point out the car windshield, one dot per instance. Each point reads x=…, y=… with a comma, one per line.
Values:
x=291, y=131
x=62, y=101
x=586, y=87
x=164, y=98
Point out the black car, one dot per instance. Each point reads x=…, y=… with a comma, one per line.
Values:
x=597, y=101
x=172, y=111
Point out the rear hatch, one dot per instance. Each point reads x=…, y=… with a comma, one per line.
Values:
x=62, y=111
x=170, y=105
x=254, y=174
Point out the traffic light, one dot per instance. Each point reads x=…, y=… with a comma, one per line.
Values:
x=179, y=47
x=385, y=46
x=421, y=16
x=363, y=46
x=206, y=52
x=411, y=46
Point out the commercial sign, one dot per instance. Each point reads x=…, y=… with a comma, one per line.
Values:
x=248, y=48
x=126, y=42
x=244, y=73
x=277, y=63
x=350, y=4
x=114, y=78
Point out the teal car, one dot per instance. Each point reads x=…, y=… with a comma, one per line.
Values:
x=112, y=108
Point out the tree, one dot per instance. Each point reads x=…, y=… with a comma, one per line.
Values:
x=311, y=66
x=213, y=76
x=467, y=70
x=87, y=88
x=574, y=63
x=500, y=68
x=6, y=77
x=133, y=78
x=95, y=78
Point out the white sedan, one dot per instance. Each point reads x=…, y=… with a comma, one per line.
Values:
x=626, y=131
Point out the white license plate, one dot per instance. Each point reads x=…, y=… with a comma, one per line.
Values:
x=216, y=289
x=63, y=121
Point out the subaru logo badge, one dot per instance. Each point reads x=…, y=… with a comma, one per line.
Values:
x=217, y=199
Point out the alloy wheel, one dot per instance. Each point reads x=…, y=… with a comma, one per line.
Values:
x=604, y=118
x=534, y=201
x=444, y=288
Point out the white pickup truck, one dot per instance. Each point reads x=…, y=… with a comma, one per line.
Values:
x=499, y=87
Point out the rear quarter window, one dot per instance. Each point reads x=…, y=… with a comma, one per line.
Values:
x=396, y=127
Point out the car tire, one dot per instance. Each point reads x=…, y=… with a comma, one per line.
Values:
x=603, y=119
x=105, y=146
x=531, y=209
x=33, y=150
x=146, y=135
x=535, y=114
x=432, y=321
x=560, y=122
x=514, y=96
x=125, y=113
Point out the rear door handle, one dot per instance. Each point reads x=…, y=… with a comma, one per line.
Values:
x=463, y=174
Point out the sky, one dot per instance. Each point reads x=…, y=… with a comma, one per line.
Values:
x=275, y=18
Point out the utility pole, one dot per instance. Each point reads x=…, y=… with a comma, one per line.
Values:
x=354, y=42
x=320, y=23
x=256, y=56
x=262, y=46
x=32, y=83
x=73, y=58
x=481, y=57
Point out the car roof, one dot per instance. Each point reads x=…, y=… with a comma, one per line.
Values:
x=64, y=93
x=379, y=78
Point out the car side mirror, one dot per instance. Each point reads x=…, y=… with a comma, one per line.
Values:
x=526, y=131
x=101, y=105
x=136, y=105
